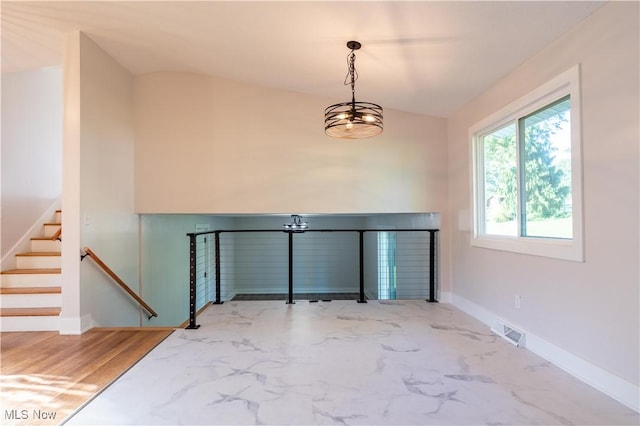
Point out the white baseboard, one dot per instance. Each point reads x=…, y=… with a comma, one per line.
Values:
x=445, y=297
x=617, y=388
x=280, y=290
x=76, y=325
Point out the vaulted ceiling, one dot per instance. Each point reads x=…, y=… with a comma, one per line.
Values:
x=426, y=57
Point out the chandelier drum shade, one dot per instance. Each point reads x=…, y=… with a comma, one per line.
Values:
x=353, y=120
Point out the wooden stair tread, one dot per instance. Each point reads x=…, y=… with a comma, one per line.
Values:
x=32, y=271
x=40, y=253
x=30, y=290
x=29, y=312
x=159, y=328
x=40, y=238
x=52, y=224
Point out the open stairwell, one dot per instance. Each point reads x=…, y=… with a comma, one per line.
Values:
x=31, y=294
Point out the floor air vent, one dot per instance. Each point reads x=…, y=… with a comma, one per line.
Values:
x=508, y=333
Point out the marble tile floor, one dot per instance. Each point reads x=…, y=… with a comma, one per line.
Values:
x=344, y=363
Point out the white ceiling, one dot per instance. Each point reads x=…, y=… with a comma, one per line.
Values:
x=426, y=57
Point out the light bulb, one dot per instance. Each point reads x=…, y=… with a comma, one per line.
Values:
x=350, y=125
x=369, y=118
x=342, y=116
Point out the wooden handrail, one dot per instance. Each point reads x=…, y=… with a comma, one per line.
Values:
x=57, y=234
x=117, y=279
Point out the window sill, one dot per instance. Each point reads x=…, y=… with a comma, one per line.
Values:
x=546, y=247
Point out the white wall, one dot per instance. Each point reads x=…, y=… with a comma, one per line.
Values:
x=589, y=309
x=70, y=318
x=165, y=263
x=218, y=146
x=31, y=150
x=98, y=189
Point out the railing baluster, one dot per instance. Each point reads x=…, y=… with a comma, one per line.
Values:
x=361, y=299
x=217, y=260
x=432, y=263
x=290, y=296
x=192, y=282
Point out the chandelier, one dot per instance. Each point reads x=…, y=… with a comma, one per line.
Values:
x=296, y=225
x=353, y=120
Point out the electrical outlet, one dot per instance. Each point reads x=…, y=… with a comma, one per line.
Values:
x=517, y=301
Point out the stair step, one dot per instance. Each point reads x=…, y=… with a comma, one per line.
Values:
x=39, y=260
x=45, y=244
x=30, y=297
x=29, y=312
x=30, y=290
x=51, y=228
x=31, y=294
x=33, y=271
x=40, y=253
x=51, y=277
x=30, y=323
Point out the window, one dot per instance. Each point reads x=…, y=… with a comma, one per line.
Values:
x=527, y=173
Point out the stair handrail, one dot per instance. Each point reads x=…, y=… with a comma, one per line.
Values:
x=56, y=235
x=116, y=278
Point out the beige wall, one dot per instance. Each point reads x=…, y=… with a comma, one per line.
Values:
x=208, y=145
x=98, y=188
x=589, y=309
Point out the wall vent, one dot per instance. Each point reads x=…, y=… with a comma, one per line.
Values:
x=508, y=333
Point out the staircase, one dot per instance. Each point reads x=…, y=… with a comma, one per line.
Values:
x=31, y=295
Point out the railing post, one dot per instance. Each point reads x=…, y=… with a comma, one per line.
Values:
x=290, y=298
x=217, y=259
x=361, y=299
x=192, y=282
x=432, y=263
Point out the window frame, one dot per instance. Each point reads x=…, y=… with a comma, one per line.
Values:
x=565, y=84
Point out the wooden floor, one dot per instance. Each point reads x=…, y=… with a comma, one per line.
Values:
x=45, y=377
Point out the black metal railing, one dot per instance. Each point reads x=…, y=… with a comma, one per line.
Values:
x=193, y=264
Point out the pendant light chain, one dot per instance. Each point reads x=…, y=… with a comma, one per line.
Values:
x=352, y=74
